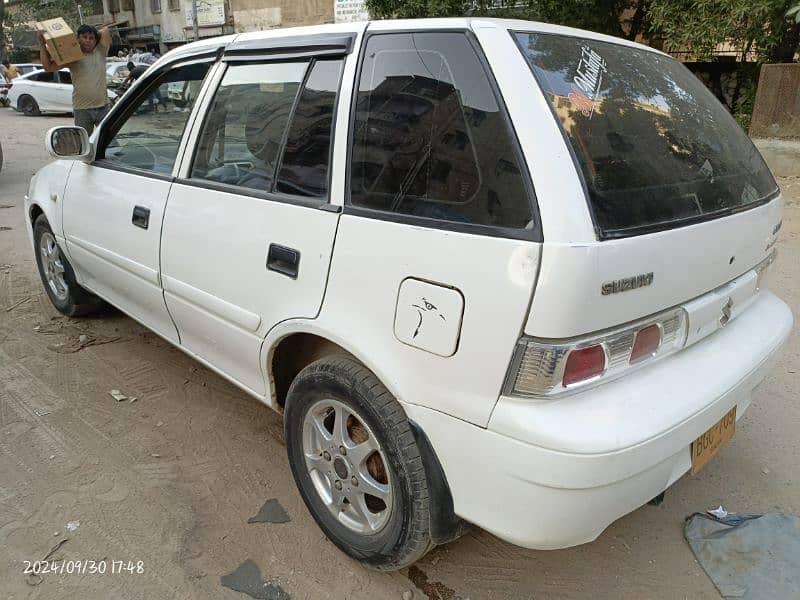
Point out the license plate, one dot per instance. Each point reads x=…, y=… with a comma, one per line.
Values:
x=708, y=444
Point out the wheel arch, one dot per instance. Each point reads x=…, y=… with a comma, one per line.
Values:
x=301, y=344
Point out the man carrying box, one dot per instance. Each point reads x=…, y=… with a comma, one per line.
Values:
x=89, y=95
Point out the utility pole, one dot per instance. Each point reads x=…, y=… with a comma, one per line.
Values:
x=195, y=28
x=80, y=14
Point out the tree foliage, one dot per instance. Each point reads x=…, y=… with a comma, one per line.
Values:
x=624, y=18
x=761, y=26
x=20, y=16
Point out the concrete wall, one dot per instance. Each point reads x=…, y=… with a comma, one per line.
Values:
x=776, y=113
x=255, y=15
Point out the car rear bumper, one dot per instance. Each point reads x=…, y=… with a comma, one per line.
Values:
x=555, y=474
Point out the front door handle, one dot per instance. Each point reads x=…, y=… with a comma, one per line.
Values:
x=141, y=217
x=283, y=260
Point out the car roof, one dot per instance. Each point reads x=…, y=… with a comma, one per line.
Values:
x=471, y=23
x=39, y=70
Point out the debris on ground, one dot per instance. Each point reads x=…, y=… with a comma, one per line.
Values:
x=90, y=340
x=117, y=395
x=247, y=580
x=35, y=578
x=720, y=512
x=16, y=304
x=433, y=590
x=6, y=228
x=271, y=512
x=73, y=525
x=748, y=557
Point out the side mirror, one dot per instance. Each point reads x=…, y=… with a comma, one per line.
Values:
x=69, y=143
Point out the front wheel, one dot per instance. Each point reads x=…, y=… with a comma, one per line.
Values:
x=57, y=275
x=356, y=462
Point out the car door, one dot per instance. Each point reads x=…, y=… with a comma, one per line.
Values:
x=62, y=91
x=43, y=87
x=113, y=208
x=249, y=229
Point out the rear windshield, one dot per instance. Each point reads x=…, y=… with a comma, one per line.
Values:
x=656, y=148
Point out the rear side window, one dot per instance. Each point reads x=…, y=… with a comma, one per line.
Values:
x=656, y=149
x=244, y=129
x=430, y=138
x=306, y=156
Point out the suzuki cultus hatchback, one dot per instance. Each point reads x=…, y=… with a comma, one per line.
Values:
x=490, y=272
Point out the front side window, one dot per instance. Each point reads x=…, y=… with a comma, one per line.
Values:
x=656, y=149
x=430, y=138
x=246, y=124
x=149, y=137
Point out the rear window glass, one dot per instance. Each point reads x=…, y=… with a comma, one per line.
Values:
x=656, y=148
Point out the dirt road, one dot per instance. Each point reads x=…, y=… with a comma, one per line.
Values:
x=172, y=479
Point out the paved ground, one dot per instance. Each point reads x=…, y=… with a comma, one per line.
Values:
x=172, y=479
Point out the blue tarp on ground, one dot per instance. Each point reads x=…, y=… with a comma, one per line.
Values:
x=748, y=557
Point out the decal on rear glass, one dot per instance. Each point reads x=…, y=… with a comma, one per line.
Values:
x=587, y=82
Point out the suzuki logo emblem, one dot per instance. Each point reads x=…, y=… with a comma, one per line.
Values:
x=726, y=312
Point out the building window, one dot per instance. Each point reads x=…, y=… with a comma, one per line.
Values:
x=113, y=6
x=127, y=5
x=174, y=4
x=155, y=6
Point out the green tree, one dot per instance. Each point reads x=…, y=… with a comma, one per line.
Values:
x=623, y=18
x=21, y=16
x=760, y=26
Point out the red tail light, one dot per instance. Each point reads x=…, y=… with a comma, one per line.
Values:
x=646, y=343
x=584, y=364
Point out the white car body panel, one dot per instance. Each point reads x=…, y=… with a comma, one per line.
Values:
x=52, y=97
x=206, y=275
x=116, y=260
x=552, y=473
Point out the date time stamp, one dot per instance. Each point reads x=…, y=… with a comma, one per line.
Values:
x=84, y=567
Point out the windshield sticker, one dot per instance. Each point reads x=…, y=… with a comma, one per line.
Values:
x=749, y=194
x=707, y=170
x=586, y=84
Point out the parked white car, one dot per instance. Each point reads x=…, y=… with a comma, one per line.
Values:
x=42, y=92
x=489, y=271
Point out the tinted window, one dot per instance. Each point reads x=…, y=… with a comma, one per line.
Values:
x=245, y=126
x=149, y=136
x=430, y=138
x=65, y=77
x=304, y=168
x=655, y=147
x=45, y=77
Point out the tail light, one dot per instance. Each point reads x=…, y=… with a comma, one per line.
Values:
x=584, y=364
x=545, y=368
x=646, y=343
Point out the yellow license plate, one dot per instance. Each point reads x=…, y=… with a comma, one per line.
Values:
x=708, y=444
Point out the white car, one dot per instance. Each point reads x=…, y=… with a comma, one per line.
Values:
x=42, y=92
x=494, y=272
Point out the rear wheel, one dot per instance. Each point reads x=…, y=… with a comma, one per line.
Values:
x=57, y=275
x=357, y=464
x=28, y=105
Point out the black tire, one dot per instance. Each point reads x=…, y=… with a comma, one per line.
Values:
x=77, y=301
x=405, y=537
x=28, y=106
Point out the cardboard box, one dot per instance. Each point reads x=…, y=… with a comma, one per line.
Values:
x=62, y=43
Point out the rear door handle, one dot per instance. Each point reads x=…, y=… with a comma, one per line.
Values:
x=283, y=260
x=141, y=217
